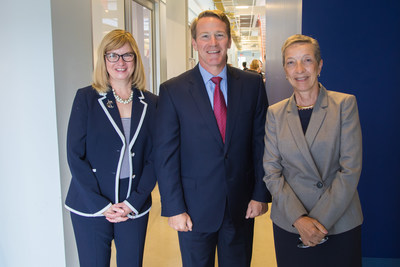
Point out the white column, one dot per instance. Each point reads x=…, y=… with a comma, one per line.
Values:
x=283, y=19
x=31, y=225
x=177, y=37
x=73, y=66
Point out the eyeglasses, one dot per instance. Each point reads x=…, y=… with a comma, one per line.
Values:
x=114, y=57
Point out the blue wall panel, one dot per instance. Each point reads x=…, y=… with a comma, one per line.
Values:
x=360, y=45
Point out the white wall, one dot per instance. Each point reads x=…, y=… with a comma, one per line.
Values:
x=176, y=37
x=72, y=44
x=31, y=227
x=233, y=55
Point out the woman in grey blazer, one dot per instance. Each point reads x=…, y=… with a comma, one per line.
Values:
x=312, y=163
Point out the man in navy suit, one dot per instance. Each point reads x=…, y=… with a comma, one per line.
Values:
x=209, y=151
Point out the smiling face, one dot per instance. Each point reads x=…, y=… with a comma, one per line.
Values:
x=301, y=67
x=212, y=43
x=120, y=71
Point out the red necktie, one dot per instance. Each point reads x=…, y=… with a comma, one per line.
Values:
x=219, y=107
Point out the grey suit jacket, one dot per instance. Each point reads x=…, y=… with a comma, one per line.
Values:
x=315, y=174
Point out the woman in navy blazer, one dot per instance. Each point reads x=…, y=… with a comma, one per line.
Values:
x=312, y=164
x=109, y=147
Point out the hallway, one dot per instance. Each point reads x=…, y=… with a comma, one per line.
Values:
x=162, y=248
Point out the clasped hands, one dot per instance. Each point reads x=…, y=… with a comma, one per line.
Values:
x=117, y=213
x=311, y=231
x=183, y=223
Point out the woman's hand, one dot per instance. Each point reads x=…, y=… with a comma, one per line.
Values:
x=117, y=213
x=310, y=230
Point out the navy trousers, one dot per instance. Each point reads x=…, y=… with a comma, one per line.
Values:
x=94, y=235
x=234, y=245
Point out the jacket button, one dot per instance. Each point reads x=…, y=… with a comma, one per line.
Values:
x=320, y=184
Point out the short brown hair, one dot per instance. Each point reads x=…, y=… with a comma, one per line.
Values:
x=114, y=40
x=211, y=13
x=299, y=38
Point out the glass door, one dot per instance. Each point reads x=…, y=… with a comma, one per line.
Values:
x=141, y=27
x=107, y=15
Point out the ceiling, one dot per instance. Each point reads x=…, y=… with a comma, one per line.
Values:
x=247, y=20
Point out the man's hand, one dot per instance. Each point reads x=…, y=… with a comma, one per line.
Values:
x=181, y=222
x=256, y=208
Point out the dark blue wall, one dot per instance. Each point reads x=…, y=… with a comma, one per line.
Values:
x=360, y=45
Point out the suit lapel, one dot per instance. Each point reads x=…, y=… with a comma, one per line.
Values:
x=298, y=135
x=110, y=108
x=199, y=93
x=235, y=89
x=139, y=108
x=318, y=117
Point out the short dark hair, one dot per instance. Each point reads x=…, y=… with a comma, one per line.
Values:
x=211, y=13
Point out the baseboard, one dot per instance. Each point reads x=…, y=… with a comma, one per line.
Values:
x=380, y=262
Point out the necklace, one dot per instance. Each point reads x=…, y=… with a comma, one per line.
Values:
x=123, y=101
x=304, y=107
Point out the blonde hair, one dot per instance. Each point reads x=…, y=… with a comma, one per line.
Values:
x=299, y=38
x=115, y=40
x=255, y=64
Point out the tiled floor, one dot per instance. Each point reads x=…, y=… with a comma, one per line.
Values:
x=162, y=248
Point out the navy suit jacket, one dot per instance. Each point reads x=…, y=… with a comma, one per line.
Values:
x=95, y=148
x=197, y=173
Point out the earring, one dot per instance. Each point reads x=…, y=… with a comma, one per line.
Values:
x=319, y=75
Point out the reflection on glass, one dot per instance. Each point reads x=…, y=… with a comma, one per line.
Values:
x=107, y=15
x=142, y=32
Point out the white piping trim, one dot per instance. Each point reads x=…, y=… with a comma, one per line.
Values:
x=132, y=142
x=140, y=123
x=97, y=214
x=137, y=215
x=122, y=151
